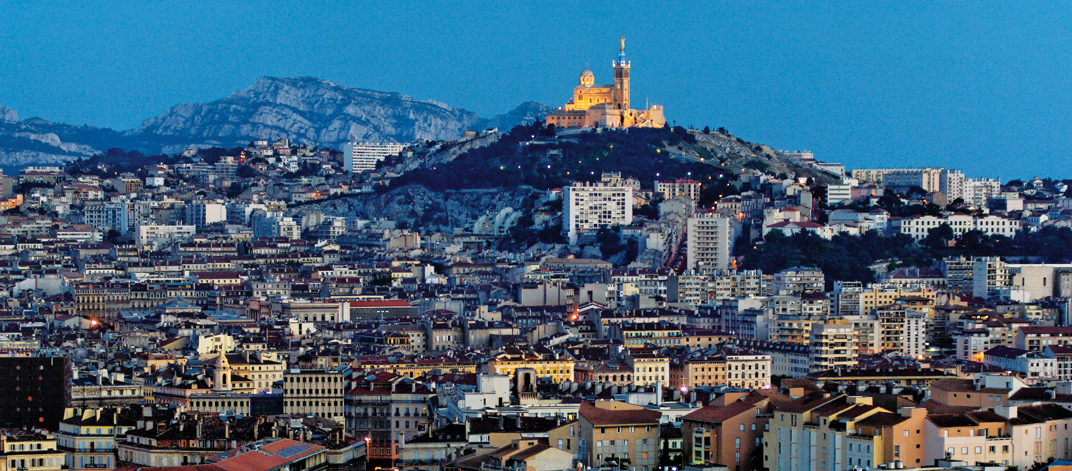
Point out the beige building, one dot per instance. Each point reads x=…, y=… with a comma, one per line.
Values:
x=649, y=368
x=832, y=345
x=31, y=452
x=316, y=392
x=88, y=436
x=613, y=432
x=744, y=371
x=684, y=187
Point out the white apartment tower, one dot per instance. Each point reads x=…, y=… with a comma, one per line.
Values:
x=107, y=216
x=202, y=213
x=710, y=241
x=591, y=206
x=363, y=156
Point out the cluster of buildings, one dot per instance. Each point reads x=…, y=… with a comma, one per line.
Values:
x=201, y=315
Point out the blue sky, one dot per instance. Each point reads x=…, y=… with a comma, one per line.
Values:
x=973, y=85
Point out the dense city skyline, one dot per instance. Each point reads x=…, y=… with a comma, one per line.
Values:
x=969, y=86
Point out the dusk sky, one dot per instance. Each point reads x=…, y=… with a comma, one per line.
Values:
x=973, y=85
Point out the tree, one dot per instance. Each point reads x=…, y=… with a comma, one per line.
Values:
x=610, y=242
x=706, y=130
x=938, y=238
x=234, y=190
x=1039, y=465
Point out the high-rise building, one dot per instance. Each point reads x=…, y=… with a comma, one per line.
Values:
x=202, y=213
x=951, y=182
x=709, y=242
x=107, y=216
x=34, y=391
x=832, y=345
x=591, y=206
x=363, y=156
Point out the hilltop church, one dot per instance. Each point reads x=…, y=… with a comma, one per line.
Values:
x=607, y=105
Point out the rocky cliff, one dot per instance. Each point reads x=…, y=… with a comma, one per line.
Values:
x=313, y=111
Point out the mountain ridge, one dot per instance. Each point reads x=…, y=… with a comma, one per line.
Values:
x=307, y=110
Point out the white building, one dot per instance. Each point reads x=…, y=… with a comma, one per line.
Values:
x=919, y=227
x=709, y=242
x=202, y=213
x=590, y=206
x=155, y=233
x=978, y=190
x=363, y=156
x=840, y=192
x=1035, y=365
x=951, y=182
x=107, y=216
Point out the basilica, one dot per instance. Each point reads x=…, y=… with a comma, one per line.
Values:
x=605, y=105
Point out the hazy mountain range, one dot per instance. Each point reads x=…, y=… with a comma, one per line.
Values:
x=306, y=110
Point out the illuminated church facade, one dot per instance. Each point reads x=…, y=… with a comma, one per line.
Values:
x=605, y=106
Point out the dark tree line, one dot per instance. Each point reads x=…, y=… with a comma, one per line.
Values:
x=848, y=258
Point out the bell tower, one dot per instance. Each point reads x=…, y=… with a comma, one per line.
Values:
x=621, y=79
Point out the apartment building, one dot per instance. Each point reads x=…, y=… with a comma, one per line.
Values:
x=316, y=392
x=832, y=345
x=612, y=432
x=30, y=451
x=821, y=433
x=684, y=187
x=726, y=432
x=649, y=368
x=587, y=207
x=363, y=156
x=387, y=410
x=545, y=364
x=736, y=370
x=107, y=216
x=709, y=242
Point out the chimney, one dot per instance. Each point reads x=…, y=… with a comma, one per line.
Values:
x=658, y=393
x=227, y=429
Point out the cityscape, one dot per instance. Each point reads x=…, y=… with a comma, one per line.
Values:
x=304, y=275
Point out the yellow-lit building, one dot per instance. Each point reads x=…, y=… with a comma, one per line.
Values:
x=874, y=297
x=605, y=106
x=413, y=368
x=743, y=371
x=546, y=366
x=31, y=452
x=649, y=367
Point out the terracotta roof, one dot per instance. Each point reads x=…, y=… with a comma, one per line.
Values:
x=881, y=419
x=721, y=413
x=605, y=417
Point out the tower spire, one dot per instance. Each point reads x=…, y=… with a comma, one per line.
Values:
x=621, y=49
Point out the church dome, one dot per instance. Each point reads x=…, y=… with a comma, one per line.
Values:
x=587, y=78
